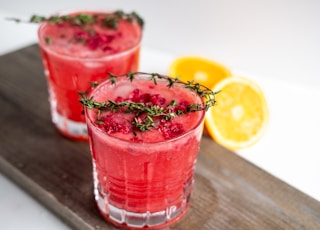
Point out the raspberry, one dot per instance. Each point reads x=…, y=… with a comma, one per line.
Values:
x=109, y=38
x=157, y=100
x=136, y=139
x=145, y=98
x=169, y=129
x=80, y=36
x=94, y=41
x=182, y=106
x=135, y=95
x=107, y=49
x=110, y=125
x=119, y=99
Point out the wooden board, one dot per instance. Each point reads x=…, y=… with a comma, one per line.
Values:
x=229, y=193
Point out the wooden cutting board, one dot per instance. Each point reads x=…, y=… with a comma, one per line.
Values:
x=229, y=193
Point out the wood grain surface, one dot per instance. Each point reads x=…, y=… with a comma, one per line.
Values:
x=229, y=192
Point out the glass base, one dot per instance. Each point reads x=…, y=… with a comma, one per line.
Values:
x=69, y=128
x=134, y=220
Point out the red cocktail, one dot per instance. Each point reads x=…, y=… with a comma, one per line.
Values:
x=144, y=132
x=82, y=47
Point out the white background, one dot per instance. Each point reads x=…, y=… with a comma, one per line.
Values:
x=275, y=43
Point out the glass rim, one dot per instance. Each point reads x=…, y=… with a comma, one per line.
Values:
x=92, y=124
x=108, y=56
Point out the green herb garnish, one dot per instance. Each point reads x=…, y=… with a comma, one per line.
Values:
x=144, y=115
x=84, y=22
x=109, y=20
x=47, y=40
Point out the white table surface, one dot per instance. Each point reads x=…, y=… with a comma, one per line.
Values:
x=275, y=44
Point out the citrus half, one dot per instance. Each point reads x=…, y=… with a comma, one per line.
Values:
x=240, y=117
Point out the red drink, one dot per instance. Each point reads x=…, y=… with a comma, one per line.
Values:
x=143, y=179
x=77, y=52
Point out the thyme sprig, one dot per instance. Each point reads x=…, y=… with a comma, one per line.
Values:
x=108, y=20
x=145, y=114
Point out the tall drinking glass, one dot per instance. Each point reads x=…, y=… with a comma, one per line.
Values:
x=81, y=47
x=144, y=141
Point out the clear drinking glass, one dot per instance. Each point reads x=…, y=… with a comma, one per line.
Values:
x=143, y=179
x=74, y=55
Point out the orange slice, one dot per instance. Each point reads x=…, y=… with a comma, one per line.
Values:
x=201, y=70
x=240, y=117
